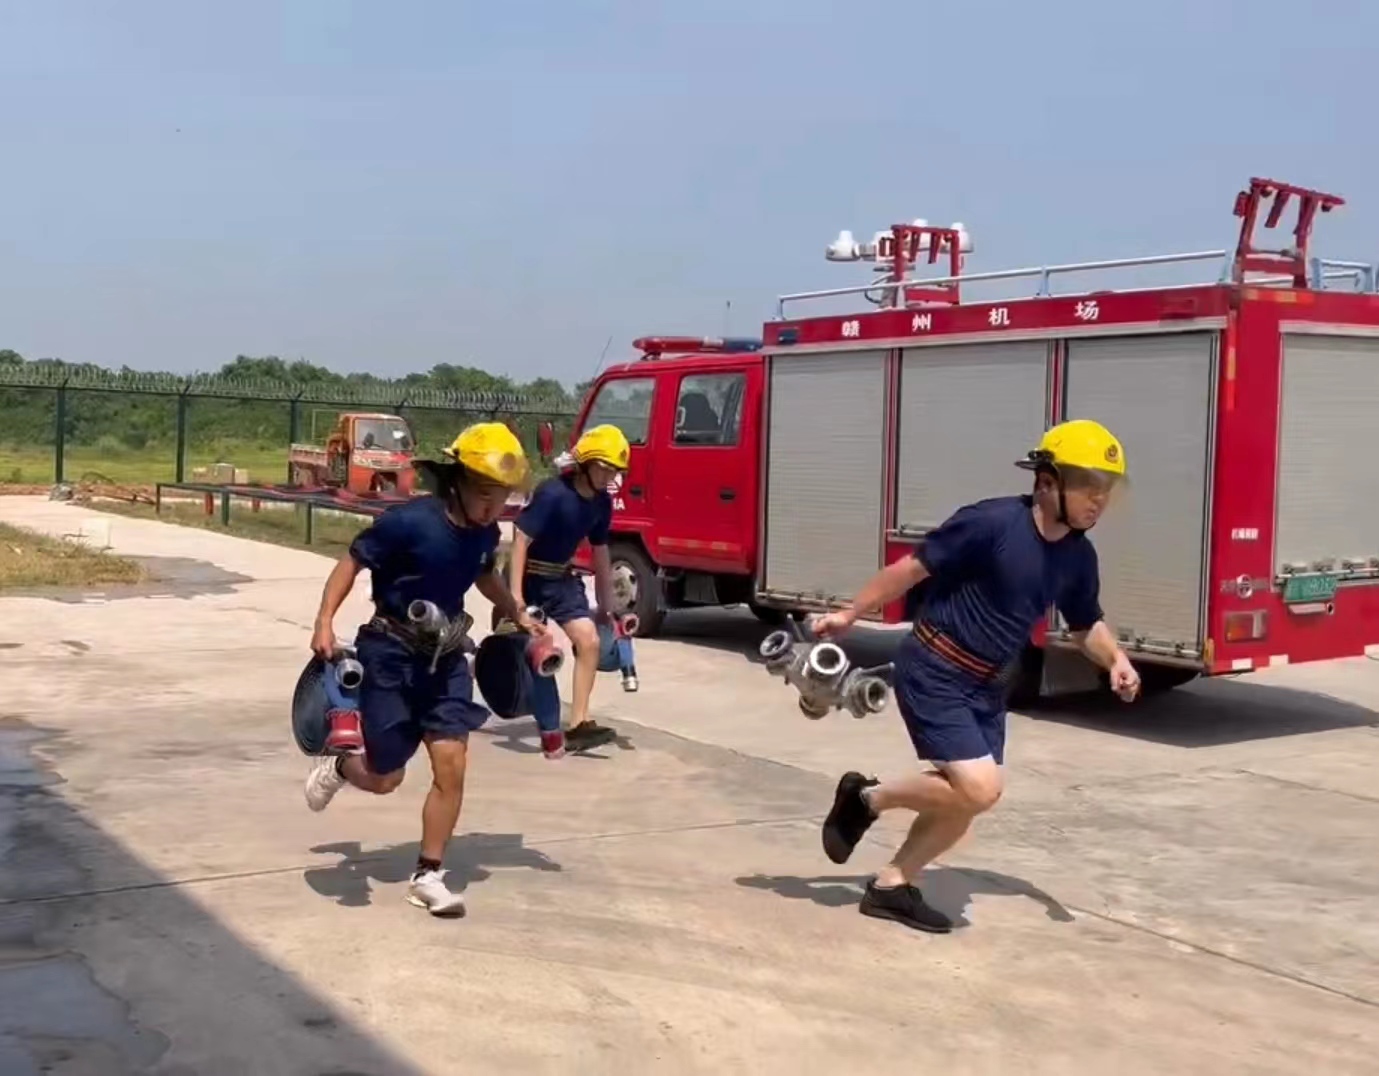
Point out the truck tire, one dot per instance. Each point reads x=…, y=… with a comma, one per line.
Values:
x=1158, y=679
x=633, y=569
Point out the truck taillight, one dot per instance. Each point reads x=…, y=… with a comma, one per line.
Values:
x=1246, y=627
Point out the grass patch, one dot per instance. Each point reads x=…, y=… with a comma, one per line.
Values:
x=30, y=465
x=277, y=525
x=29, y=559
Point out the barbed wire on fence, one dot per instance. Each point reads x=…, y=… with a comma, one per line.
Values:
x=392, y=394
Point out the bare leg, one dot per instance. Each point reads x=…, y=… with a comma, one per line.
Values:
x=355, y=770
x=930, y=836
x=947, y=801
x=922, y=792
x=441, y=811
x=585, y=638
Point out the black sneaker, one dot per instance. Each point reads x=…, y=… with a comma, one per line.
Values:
x=903, y=904
x=588, y=735
x=850, y=818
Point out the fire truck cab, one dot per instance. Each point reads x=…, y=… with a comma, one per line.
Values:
x=685, y=515
x=783, y=473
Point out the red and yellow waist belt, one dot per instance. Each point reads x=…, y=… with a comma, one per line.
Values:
x=943, y=645
x=550, y=569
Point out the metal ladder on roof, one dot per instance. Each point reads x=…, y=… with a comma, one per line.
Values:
x=1247, y=264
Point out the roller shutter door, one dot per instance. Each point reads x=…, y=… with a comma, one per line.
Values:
x=967, y=413
x=1328, y=468
x=826, y=427
x=1156, y=394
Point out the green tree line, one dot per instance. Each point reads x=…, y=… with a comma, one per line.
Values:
x=123, y=423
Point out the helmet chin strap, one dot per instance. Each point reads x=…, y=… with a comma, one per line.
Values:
x=457, y=500
x=1063, y=501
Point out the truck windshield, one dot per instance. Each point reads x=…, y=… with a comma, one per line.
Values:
x=624, y=403
x=385, y=434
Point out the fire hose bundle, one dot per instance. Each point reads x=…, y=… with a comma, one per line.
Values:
x=508, y=660
x=823, y=675
x=325, y=703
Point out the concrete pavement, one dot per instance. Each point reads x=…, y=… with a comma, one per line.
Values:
x=1186, y=885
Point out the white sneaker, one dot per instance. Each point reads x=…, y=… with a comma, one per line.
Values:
x=428, y=890
x=322, y=783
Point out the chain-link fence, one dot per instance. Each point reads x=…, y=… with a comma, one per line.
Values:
x=70, y=424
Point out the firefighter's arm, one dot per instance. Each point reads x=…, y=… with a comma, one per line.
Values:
x=517, y=563
x=371, y=548
x=493, y=587
x=1099, y=644
x=506, y=604
x=1081, y=608
x=338, y=586
x=886, y=586
x=603, y=578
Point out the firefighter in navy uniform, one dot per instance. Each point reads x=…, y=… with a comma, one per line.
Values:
x=564, y=511
x=990, y=574
x=418, y=691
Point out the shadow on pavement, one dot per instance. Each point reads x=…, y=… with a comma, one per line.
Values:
x=1209, y=713
x=949, y=889
x=519, y=735
x=469, y=858
x=77, y=962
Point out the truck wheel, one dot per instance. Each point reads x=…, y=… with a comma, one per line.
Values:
x=635, y=580
x=1157, y=679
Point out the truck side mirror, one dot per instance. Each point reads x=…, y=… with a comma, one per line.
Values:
x=545, y=440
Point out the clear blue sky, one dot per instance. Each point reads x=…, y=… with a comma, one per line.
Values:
x=383, y=186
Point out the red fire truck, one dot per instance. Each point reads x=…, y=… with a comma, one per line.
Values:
x=782, y=473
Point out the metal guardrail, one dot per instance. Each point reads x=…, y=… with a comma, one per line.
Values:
x=1363, y=274
x=219, y=498
x=222, y=497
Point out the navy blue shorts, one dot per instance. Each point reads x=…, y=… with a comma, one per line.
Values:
x=950, y=716
x=401, y=700
x=562, y=598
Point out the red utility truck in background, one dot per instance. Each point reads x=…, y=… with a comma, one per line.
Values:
x=365, y=453
x=782, y=473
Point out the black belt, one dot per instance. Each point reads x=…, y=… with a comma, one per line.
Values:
x=955, y=654
x=549, y=569
x=423, y=643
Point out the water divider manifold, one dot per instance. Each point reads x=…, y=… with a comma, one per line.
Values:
x=823, y=675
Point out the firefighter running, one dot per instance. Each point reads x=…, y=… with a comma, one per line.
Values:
x=565, y=510
x=429, y=549
x=986, y=576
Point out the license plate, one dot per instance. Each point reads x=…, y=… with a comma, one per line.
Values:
x=1310, y=588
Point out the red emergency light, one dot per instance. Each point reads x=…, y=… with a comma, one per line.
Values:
x=653, y=347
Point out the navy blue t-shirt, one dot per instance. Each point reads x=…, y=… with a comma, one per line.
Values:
x=993, y=577
x=416, y=552
x=557, y=519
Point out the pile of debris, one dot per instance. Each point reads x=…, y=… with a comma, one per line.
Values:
x=93, y=486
